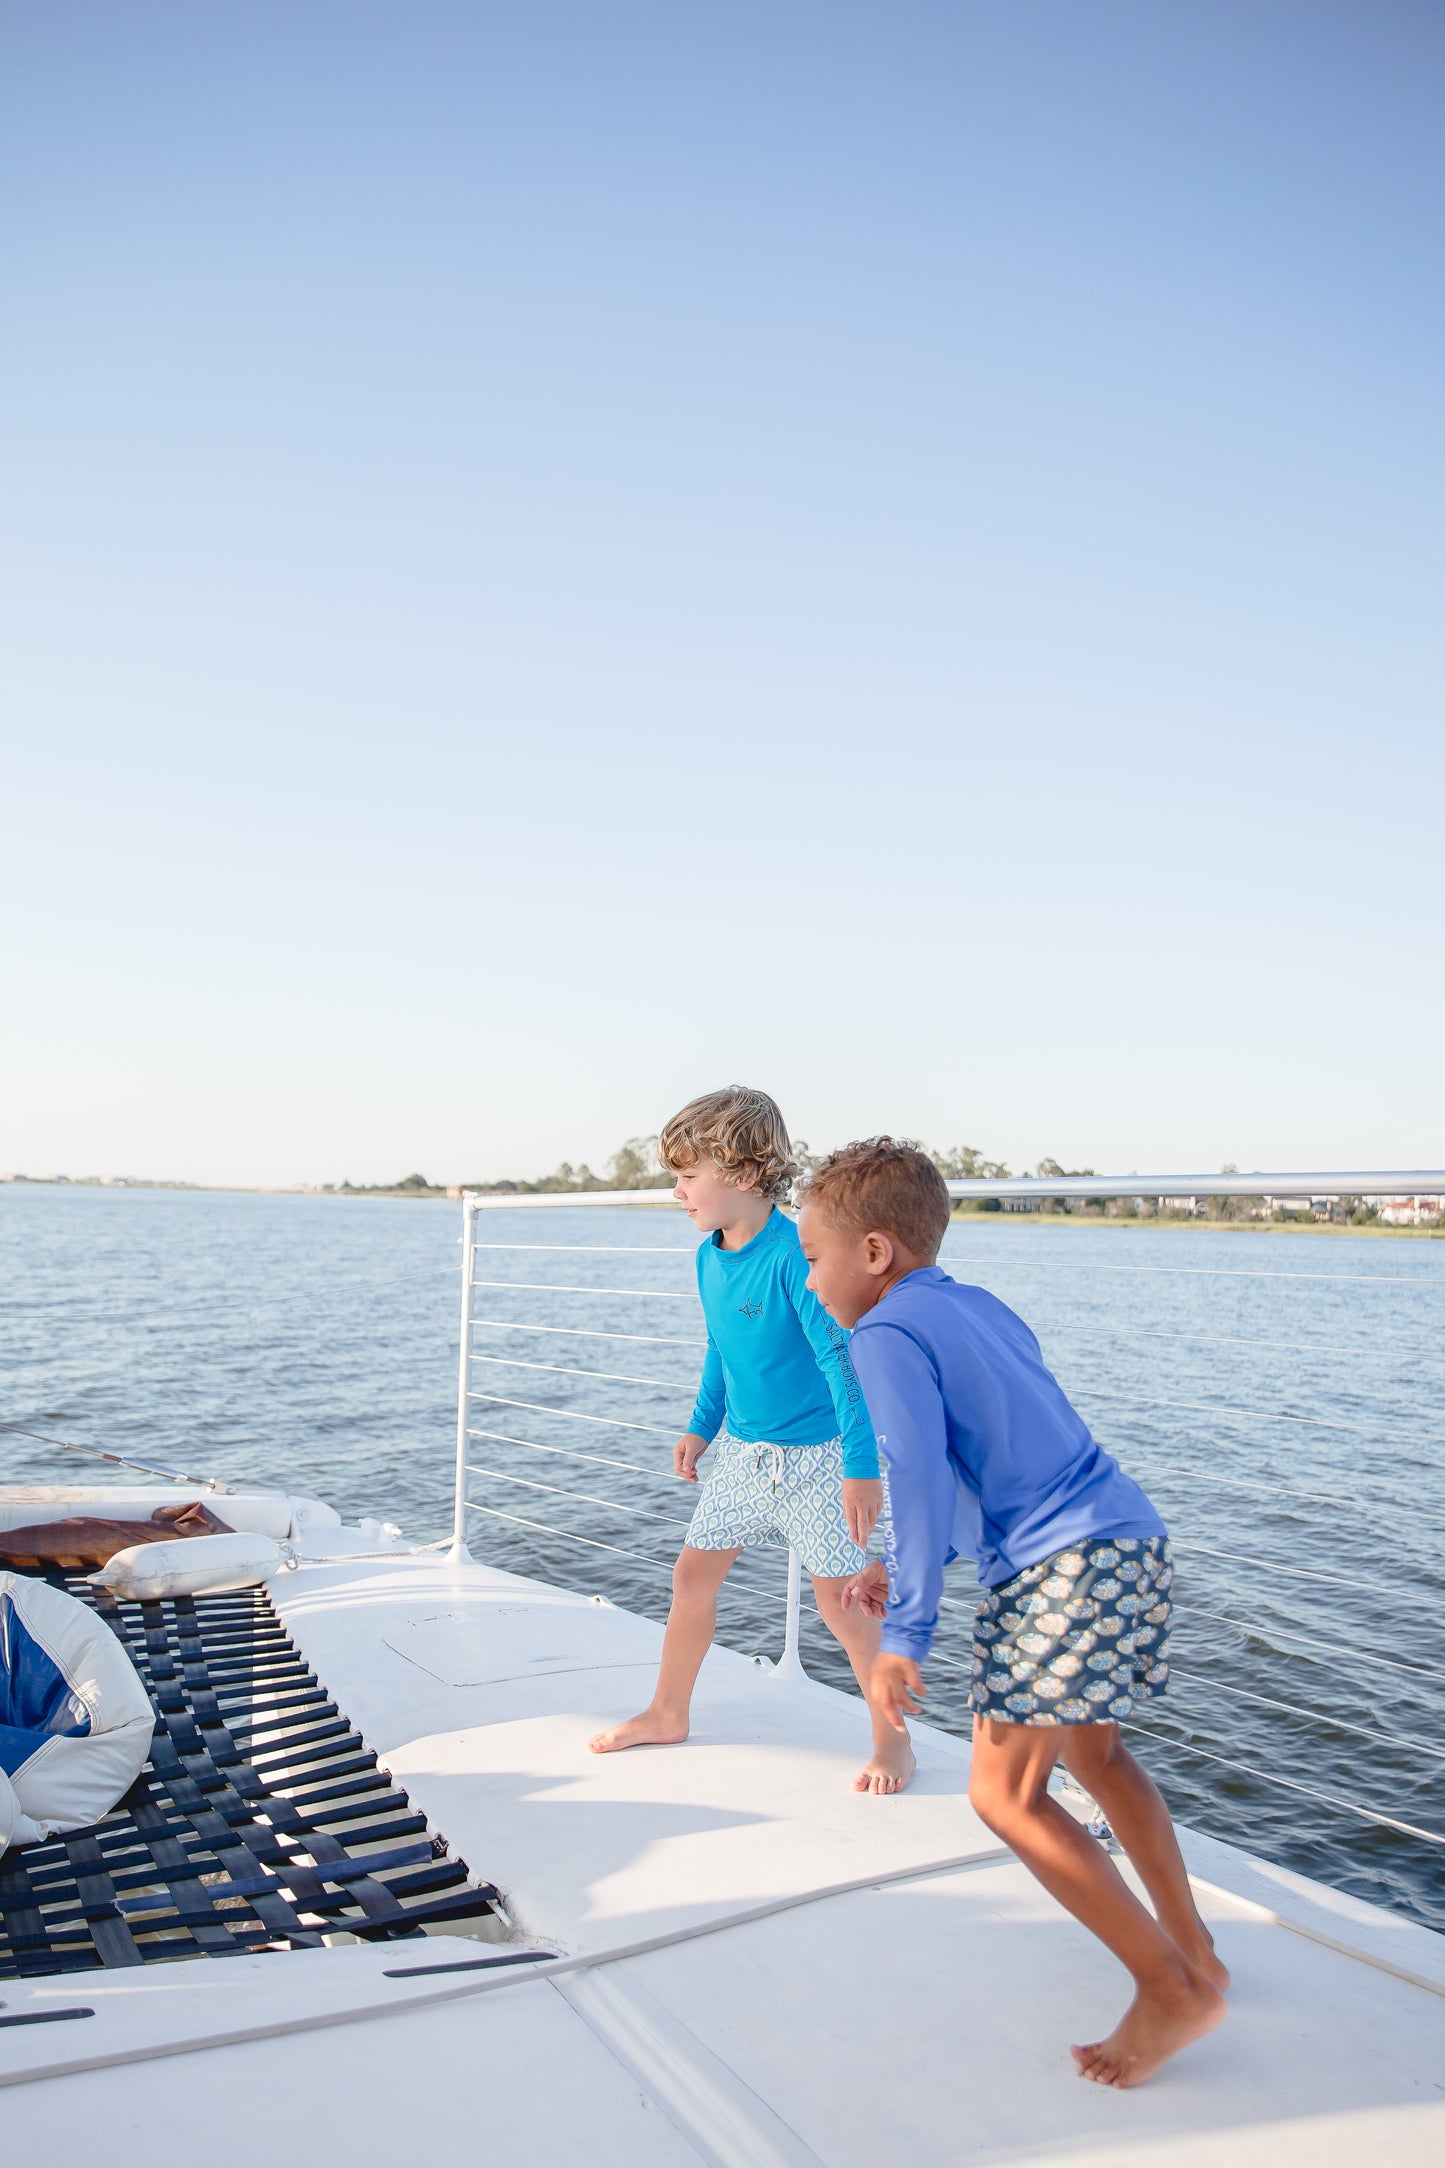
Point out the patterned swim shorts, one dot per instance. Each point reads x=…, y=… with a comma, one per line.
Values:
x=1077, y=1639
x=776, y=1494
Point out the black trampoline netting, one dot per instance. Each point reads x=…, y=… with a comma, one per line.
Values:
x=261, y=1821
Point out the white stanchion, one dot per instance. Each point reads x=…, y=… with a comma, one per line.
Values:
x=459, y=1553
x=790, y=1664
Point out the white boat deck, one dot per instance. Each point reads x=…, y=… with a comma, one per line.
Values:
x=756, y=1965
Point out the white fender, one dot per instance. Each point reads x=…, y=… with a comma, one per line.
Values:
x=191, y=1566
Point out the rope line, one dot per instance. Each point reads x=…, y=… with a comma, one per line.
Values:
x=591, y=1541
x=1278, y=1490
x=657, y=1475
x=570, y=1370
x=1268, y=1415
x=119, y=1460
x=1350, y=1673
x=1298, y=1573
x=599, y=1249
x=552, y=1287
x=731, y=1587
x=1331, y=1799
x=502, y=1437
x=1203, y=1272
x=1091, y=1332
x=581, y=1332
x=1216, y=1339
x=1331, y=1648
x=1102, y=1392
x=1312, y=1716
x=1035, y=1264
x=610, y=1505
x=1398, y=1740
x=1266, y=1701
x=949, y=1663
x=574, y=1415
x=1231, y=1482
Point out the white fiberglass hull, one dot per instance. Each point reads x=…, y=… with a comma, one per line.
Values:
x=754, y=1965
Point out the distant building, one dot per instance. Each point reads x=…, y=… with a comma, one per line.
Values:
x=1409, y=1211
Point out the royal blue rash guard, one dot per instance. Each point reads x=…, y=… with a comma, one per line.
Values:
x=777, y=1367
x=985, y=1456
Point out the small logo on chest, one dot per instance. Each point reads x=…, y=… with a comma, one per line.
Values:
x=750, y=1310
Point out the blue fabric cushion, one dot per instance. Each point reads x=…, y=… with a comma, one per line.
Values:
x=36, y=1700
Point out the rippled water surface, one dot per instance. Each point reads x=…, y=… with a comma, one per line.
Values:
x=1280, y=1395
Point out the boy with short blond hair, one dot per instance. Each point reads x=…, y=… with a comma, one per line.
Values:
x=794, y=1455
x=987, y=1459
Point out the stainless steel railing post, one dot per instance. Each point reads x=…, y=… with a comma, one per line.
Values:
x=790, y=1664
x=459, y=1553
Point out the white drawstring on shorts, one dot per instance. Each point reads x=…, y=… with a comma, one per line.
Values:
x=777, y=1467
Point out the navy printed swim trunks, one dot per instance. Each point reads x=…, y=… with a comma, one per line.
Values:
x=1077, y=1639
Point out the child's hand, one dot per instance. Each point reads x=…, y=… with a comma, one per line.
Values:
x=862, y=1504
x=896, y=1688
x=686, y=1454
x=868, y=1590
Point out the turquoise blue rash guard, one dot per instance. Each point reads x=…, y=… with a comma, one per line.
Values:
x=777, y=1368
x=986, y=1458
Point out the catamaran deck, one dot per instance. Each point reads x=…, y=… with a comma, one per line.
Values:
x=754, y=1964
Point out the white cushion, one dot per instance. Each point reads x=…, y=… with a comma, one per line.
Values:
x=190, y=1566
x=75, y=1721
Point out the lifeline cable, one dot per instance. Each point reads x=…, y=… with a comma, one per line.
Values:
x=119, y=1460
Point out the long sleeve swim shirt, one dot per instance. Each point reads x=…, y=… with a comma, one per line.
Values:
x=985, y=1456
x=777, y=1367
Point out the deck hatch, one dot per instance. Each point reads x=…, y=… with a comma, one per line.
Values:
x=260, y=1822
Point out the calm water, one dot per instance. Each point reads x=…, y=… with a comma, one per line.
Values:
x=1279, y=1394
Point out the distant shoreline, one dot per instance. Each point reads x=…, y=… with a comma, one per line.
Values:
x=1186, y=1224
x=963, y=1215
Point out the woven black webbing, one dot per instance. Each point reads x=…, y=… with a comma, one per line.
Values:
x=261, y=1821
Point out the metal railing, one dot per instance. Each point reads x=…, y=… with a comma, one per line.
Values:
x=789, y=1664
x=1374, y=1184
x=542, y=1339
x=1391, y=1182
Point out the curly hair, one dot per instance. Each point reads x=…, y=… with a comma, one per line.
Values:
x=882, y=1183
x=741, y=1132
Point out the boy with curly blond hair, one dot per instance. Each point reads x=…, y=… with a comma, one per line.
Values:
x=795, y=1460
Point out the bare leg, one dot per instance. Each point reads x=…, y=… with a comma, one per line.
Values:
x=1136, y=1813
x=893, y=1763
x=691, y=1624
x=1173, y=2002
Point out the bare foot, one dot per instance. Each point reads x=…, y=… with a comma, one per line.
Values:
x=891, y=1767
x=1157, y=2024
x=649, y=1729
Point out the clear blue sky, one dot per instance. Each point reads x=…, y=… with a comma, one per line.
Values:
x=558, y=555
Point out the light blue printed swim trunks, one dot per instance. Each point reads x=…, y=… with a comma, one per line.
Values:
x=776, y=1494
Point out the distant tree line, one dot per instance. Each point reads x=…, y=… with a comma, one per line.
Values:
x=634, y=1166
